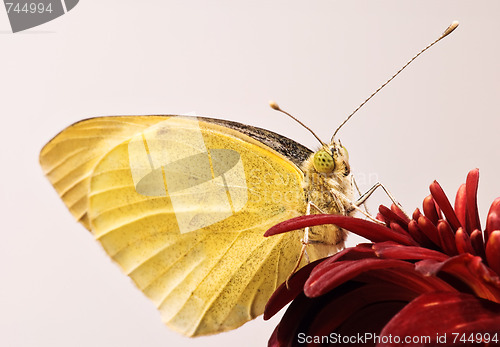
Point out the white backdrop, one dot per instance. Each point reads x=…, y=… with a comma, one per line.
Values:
x=226, y=59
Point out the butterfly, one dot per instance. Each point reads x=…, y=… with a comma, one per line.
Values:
x=181, y=204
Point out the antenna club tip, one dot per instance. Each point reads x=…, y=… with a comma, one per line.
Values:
x=450, y=29
x=274, y=105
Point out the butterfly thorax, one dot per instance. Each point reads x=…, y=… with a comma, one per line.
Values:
x=329, y=192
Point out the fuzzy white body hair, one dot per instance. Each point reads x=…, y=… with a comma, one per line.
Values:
x=332, y=193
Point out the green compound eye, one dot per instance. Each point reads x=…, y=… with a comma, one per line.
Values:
x=323, y=162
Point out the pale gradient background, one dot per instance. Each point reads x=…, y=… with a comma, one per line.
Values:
x=226, y=59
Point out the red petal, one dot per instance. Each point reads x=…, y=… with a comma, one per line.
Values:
x=273, y=340
x=430, y=210
x=407, y=279
x=461, y=204
x=424, y=316
x=493, y=251
x=462, y=240
x=471, y=184
x=382, y=218
x=416, y=214
x=361, y=251
x=447, y=238
x=369, y=319
x=392, y=217
x=399, y=229
x=369, y=230
x=395, y=251
x=493, y=219
x=283, y=295
x=418, y=235
x=343, y=307
x=429, y=230
x=476, y=240
x=400, y=213
x=444, y=204
x=469, y=270
x=300, y=310
x=440, y=214
x=325, y=278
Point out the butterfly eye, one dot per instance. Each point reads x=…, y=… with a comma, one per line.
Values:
x=323, y=162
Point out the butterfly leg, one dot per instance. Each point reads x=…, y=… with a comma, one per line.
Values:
x=304, y=241
x=355, y=184
x=369, y=216
x=368, y=193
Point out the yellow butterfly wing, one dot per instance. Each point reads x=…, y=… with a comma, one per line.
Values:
x=181, y=204
x=69, y=159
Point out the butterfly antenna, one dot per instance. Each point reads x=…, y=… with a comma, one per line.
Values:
x=448, y=31
x=275, y=106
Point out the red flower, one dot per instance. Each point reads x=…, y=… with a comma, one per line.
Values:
x=433, y=279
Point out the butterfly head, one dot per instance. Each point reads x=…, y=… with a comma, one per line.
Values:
x=332, y=159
